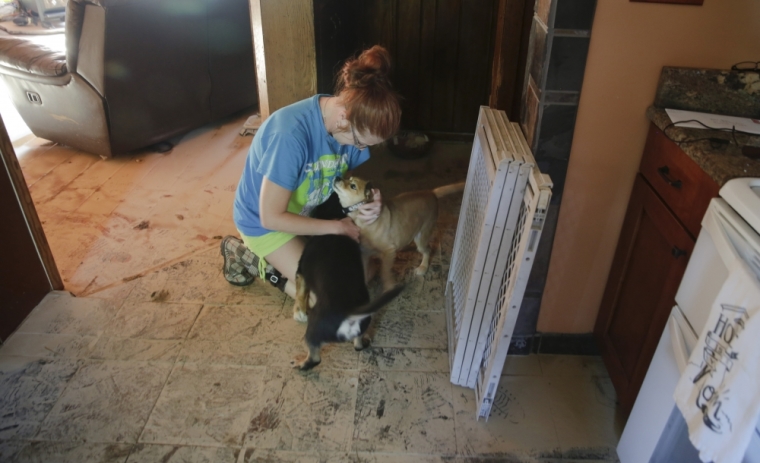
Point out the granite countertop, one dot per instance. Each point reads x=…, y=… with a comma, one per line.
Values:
x=722, y=162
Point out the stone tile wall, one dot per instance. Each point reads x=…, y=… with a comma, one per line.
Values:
x=557, y=53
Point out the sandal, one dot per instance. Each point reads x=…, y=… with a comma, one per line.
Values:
x=239, y=263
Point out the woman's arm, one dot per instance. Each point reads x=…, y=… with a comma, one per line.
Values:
x=273, y=212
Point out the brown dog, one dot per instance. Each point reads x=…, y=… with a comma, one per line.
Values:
x=405, y=218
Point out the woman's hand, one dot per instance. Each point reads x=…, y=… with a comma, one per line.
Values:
x=274, y=215
x=371, y=211
x=347, y=227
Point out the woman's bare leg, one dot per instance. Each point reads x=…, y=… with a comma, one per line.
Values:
x=285, y=260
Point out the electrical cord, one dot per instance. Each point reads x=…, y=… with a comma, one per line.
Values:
x=752, y=152
x=715, y=142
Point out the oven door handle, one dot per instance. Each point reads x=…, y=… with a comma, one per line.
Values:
x=679, y=346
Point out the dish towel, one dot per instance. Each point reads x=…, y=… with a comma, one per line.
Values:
x=718, y=392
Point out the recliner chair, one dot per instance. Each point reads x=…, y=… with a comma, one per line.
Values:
x=135, y=72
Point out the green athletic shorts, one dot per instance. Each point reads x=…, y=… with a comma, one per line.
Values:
x=264, y=245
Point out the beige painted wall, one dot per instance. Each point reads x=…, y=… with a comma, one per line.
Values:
x=630, y=43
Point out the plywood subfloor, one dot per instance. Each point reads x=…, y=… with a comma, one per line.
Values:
x=110, y=220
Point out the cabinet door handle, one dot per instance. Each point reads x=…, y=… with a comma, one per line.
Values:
x=664, y=171
x=677, y=252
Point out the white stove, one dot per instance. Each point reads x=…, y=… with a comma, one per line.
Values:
x=655, y=431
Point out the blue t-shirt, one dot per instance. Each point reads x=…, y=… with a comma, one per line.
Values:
x=292, y=149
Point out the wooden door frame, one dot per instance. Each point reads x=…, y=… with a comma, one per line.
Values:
x=511, y=38
x=24, y=198
x=284, y=52
x=50, y=276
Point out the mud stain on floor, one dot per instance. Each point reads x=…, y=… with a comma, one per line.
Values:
x=267, y=420
x=159, y=296
x=507, y=406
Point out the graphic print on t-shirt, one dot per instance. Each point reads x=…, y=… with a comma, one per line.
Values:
x=317, y=185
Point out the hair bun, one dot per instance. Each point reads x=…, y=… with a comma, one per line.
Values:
x=365, y=89
x=370, y=68
x=376, y=58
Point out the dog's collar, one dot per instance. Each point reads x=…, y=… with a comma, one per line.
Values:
x=353, y=207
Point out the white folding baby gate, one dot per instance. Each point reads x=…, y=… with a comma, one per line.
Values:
x=500, y=223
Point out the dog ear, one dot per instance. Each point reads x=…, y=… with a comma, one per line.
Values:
x=368, y=191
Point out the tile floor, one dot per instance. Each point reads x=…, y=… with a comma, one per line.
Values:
x=182, y=367
x=165, y=361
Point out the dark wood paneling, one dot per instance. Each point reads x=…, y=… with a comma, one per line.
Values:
x=441, y=50
x=425, y=95
x=408, y=76
x=336, y=38
x=445, y=54
x=383, y=21
x=25, y=258
x=472, y=84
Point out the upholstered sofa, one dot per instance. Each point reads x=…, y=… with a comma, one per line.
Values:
x=135, y=72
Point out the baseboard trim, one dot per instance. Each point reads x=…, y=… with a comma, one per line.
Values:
x=554, y=343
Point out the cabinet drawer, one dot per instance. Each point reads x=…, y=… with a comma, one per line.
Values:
x=684, y=187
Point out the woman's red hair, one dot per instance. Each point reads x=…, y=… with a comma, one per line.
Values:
x=368, y=96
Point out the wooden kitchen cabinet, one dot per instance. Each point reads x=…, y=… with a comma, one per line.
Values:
x=670, y=195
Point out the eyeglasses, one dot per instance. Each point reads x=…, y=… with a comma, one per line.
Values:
x=746, y=66
x=357, y=143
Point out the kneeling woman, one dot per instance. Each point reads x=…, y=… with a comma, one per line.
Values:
x=294, y=158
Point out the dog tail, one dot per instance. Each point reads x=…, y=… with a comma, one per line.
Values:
x=379, y=302
x=448, y=189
